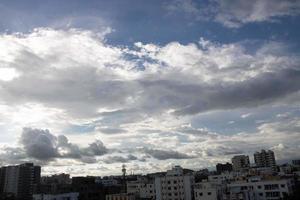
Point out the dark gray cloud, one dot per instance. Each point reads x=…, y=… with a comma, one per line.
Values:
x=119, y=159
x=265, y=88
x=42, y=145
x=165, y=154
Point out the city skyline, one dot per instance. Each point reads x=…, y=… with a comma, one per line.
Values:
x=88, y=86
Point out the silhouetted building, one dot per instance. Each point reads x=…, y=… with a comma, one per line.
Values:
x=20, y=181
x=223, y=167
x=88, y=189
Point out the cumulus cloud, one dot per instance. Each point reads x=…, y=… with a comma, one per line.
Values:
x=80, y=74
x=42, y=145
x=147, y=93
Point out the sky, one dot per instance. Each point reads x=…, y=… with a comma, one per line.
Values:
x=87, y=86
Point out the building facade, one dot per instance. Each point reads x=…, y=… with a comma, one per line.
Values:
x=21, y=181
x=227, y=167
x=142, y=188
x=261, y=189
x=240, y=162
x=175, y=185
x=65, y=196
x=265, y=159
x=208, y=191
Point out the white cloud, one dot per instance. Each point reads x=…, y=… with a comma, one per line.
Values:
x=236, y=13
x=149, y=93
x=239, y=12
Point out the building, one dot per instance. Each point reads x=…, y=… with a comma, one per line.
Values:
x=65, y=196
x=222, y=178
x=143, y=188
x=257, y=189
x=208, y=191
x=88, y=189
x=121, y=196
x=21, y=181
x=107, y=182
x=56, y=179
x=175, y=185
x=223, y=167
x=265, y=159
x=240, y=162
x=296, y=162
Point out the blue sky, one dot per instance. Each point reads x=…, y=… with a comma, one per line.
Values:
x=147, y=83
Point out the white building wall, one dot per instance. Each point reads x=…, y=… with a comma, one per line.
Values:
x=264, y=190
x=174, y=186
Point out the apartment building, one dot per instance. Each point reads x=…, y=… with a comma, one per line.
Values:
x=175, y=185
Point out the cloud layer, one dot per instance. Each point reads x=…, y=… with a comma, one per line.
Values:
x=236, y=13
x=146, y=102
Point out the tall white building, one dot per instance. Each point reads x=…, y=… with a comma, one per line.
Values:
x=240, y=162
x=265, y=159
x=175, y=185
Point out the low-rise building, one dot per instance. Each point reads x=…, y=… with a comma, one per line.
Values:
x=65, y=196
x=175, y=185
x=257, y=189
x=208, y=191
x=121, y=196
x=142, y=188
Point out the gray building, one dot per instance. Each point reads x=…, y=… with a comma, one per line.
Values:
x=240, y=162
x=265, y=159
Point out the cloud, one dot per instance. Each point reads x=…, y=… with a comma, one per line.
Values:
x=236, y=13
x=187, y=79
x=165, y=154
x=42, y=145
x=152, y=94
x=39, y=144
x=120, y=159
x=108, y=130
x=239, y=12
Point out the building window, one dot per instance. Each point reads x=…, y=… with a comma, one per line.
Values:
x=282, y=185
x=271, y=187
x=209, y=193
x=201, y=194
